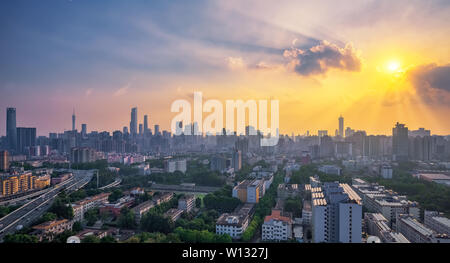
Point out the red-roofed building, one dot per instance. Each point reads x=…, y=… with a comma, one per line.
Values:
x=276, y=227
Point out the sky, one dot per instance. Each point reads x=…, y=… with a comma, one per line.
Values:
x=374, y=62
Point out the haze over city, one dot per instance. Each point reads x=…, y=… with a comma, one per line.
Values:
x=374, y=62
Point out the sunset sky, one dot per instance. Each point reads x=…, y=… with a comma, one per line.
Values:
x=374, y=62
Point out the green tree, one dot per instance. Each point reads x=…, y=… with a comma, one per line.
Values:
x=115, y=195
x=91, y=239
x=108, y=239
x=62, y=208
x=126, y=218
x=154, y=222
x=77, y=227
x=91, y=216
x=20, y=238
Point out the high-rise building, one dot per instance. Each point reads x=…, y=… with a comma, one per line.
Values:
x=400, y=142
x=237, y=160
x=146, y=124
x=133, y=122
x=141, y=129
x=341, y=126
x=26, y=137
x=11, y=132
x=73, y=120
x=157, y=129
x=4, y=160
x=336, y=214
x=83, y=155
x=322, y=133
x=125, y=130
x=83, y=129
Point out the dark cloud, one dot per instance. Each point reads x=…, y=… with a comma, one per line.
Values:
x=432, y=82
x=323, y=57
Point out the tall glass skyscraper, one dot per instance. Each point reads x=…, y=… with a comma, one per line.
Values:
x=145, y=124
x=341, y=126
x=400, y=142
x=133, y=122
x=11, y=129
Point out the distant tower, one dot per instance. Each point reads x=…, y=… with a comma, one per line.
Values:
x=73, y=120
x=83, y=129
x=133, y=122
x=11, y=129
x=341, y=126
x=145, y=123
x=156, y=129
x=140, y=129
x=400, y=142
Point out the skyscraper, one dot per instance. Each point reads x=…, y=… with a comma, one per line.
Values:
x=341, y=126
x=156, y=129
x=400, y=142
x=83, y=129
x=11, y=129
x=145, y=123
x=4, y=160
x=336, y=214
x=140, y=129
x=133, y=122
x=237, y=160
x=73, y=120
x=26, y=137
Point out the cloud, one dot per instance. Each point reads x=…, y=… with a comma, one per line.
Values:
x=323, y=57
x=235, y=63
x=122, y=91
x=431, y=82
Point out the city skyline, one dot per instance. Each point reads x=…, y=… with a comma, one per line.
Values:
x=103, y=61
x=134, y=122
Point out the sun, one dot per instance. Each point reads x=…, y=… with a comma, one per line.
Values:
x=393, y=66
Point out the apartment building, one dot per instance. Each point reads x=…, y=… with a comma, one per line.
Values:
x=336, y=214
x=276, y=227
x=377, y=225
x=234, y=224
x=437, y=222
x=186, y=203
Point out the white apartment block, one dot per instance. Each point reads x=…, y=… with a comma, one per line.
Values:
x=276, y=227
x=437, y=222
x=336, y=214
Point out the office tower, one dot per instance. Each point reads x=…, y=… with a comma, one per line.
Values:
x=83, y=129
x=4, y=160
x=83, y=155
x=336, y=214
x=421, y=132
x=341, y=126
x=11, y=132
x=349, y=132
x=156, y=129
x=125, y=130
x=73, y=120
x=326, y=146
x=145, y=123
x=133, y=122
x=400, y=142
x=322, y=133
x=140, y=129
x=237, y=160
x=26, y=137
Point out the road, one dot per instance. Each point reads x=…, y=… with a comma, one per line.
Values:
x=34, y=209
